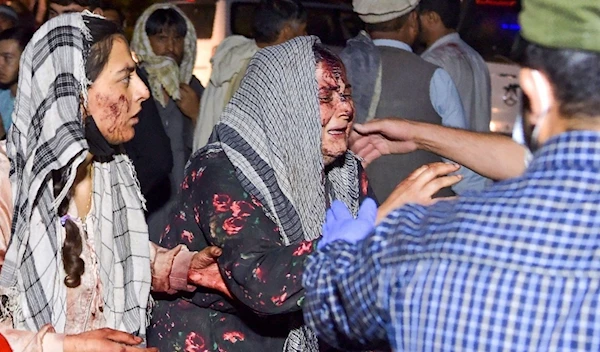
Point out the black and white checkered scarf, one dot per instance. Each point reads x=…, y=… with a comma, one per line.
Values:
x=48, y=135
x=271, y=133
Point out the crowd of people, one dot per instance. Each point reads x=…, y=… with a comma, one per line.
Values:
x=303, y=200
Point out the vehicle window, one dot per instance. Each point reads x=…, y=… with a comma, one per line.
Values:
x=202, y=16
x=490, y=27
x=333, y=25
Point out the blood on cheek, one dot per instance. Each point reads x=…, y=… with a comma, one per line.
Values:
x=111, y=114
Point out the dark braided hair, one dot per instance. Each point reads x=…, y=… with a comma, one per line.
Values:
x=72, y=246
x=103, y=33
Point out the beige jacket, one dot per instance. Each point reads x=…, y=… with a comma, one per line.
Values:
x=228, y=67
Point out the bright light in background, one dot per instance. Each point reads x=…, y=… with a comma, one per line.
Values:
x=511, y=26
x=493, y=126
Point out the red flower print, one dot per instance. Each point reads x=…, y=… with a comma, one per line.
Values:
x=256, y=201
x=184, y=184
x=194, y=342
x=188, y=236
x=259, y=274
x=304, y=248
x=233, y=336
x=196, y=174
x=364, y=183
x=241, y=209
x=278, y=300
x=197, y=214
x=165, y=233
x=233, y=225
x=221, y=203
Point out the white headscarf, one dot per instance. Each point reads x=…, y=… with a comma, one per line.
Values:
x=271, y=133
x=48, y=135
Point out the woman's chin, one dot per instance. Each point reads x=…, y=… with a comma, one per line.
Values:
x=329, y=157
x=120, y=138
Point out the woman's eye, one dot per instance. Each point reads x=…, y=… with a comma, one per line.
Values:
x=325, y=99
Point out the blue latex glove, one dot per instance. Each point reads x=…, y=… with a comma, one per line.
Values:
x=341, y=225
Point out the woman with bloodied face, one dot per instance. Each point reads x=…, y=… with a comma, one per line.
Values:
x=79, y=260
x=259, y=190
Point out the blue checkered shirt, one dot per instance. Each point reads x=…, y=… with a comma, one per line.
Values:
x=513, y=268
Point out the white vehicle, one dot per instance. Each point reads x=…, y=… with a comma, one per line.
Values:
x=214, y=20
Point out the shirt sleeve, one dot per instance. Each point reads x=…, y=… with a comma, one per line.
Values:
x=345, y=300
x=170, y=268
x=31, y=341
x=446, y=100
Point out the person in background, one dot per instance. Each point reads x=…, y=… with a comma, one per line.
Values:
x=164, y=41
x=275, y=21
x=390, y=80
x=113, y=13
x=12, y=44
x=38, y=8
x=511, y=268
x=59, y=7
x=439, y=20
x=8, y=17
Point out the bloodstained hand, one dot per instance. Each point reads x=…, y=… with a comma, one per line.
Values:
x=204, y=271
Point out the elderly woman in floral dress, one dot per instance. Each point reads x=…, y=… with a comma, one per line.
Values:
x=260, y=191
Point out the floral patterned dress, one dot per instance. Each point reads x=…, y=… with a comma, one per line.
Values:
x=263, y=274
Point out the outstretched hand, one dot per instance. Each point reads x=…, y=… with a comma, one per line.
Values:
x=104, y=340
x=204, y=270
x=382, y=137
x=341, y=225
x=420, y=186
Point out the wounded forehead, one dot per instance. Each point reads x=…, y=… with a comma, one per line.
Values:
x=329, y=61
x=333, y=66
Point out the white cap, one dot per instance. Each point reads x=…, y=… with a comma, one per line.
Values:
x=378, y=11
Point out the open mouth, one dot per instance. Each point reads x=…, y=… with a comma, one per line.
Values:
x=135, y=118
x=340, y=131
